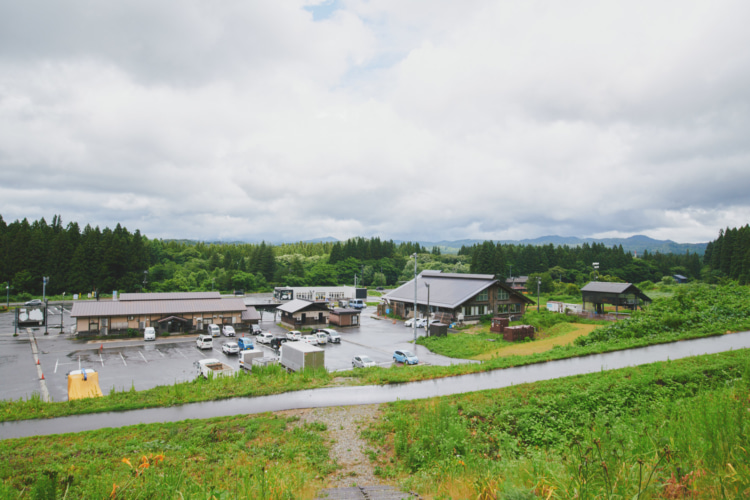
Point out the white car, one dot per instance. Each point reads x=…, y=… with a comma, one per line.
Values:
x=332, y=336
x=363, y=361
x=294, y=335
x=310, y=339
x=149, y=333
x=265, y=338
x=410, y=322
x=228, y=331
x=230, y=348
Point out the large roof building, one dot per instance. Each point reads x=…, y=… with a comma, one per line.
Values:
x=167, y=312
x=458, y=297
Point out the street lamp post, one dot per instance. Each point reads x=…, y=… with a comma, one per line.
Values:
x=145, y=274
x=46, y=317
x=62, y=314
x=538, y=285
x=45, y=280
x=414, y=318
x=427, y=325
x=7, y=295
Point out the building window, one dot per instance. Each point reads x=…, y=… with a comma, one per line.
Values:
x=502, y=294
x=483, y=296
x=131, y=318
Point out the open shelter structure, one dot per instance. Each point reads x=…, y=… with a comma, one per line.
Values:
x=625, y=295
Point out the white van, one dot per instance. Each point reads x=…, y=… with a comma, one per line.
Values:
x=357, y=304
x=149, y=333
x=213, y=330
x=204, y=342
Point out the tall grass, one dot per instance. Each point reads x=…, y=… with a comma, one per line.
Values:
x=668, y=430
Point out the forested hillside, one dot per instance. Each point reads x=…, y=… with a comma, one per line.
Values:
x=93, y=259
x=729, y=255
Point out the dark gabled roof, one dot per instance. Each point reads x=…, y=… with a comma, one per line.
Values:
x=250, y=314
x=297, y=305
x=680, y=277
x=448, y=290
x=170, y=296
x=166, y=307
x=616, y=288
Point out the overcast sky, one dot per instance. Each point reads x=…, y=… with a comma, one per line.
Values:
x=418, y=120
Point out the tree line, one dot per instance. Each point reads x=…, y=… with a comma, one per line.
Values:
x=92, y=259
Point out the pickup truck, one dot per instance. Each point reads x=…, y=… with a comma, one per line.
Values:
x=212, y=367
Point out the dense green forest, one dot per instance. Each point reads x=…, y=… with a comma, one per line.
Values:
x=92, y=259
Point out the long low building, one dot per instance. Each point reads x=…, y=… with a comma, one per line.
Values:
x=459, y=297
x=166, y=312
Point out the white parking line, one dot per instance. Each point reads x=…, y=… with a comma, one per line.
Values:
x=79, y=362
x=123, y=359
x=56, y=361
x=160, y=353
x=181, y=354
x=101, y=360
x=144, y=357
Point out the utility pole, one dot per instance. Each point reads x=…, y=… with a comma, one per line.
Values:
x=427, y=325
x=414, y=318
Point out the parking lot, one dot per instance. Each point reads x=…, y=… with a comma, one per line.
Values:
x=126, y=364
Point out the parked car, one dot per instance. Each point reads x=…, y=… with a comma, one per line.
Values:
x=362, y=361
x=294, y=335
x=410, y=322
x=277, y=341
x=406, y=357
x=213, y=330
x=357, y=303
x=245, y=343
x=228, y=331
x=265, y=338
x=380, y=289
x=205, y=342
x=33, y=302
x=322, y=338
x=310, y=339
x=332, y=336
x=255, y=330
x=149, y=333
x=230, y=348
x=425, y=324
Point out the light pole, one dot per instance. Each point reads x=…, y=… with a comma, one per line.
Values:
x=145, y=274
x=596, y=270
x=7, y=295
x=427, y=325
x=414, y=318
x=62, y=314
x=45, y=280
x=538, y=285
x=46, y=318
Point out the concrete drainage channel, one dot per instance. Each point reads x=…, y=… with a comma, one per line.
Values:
x=378, y=492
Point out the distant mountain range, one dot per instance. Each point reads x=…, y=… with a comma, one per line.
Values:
x=637, y=243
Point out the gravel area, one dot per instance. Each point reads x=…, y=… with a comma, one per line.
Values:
x=347, y=448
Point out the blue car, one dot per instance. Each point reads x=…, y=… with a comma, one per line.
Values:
x=245, y=343
x=405, y=357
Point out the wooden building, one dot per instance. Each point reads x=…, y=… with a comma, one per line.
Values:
x=459, y=297
x=344, y=317
x=166, y=312
x=298, y=313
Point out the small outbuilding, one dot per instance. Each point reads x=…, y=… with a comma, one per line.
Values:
x=299, y=312
x=625, y=295
x=344, y=317
x=680, y=278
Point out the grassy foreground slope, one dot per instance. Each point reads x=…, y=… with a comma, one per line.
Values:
x=677, y=429
x=668, y=430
